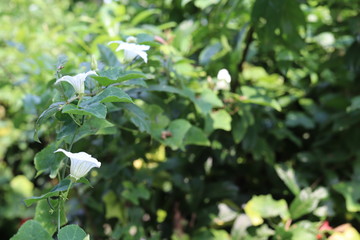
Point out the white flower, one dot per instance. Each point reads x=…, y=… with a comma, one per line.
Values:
x=131, y=49
x=77, y=81
x=223, y=80
x=81, y=163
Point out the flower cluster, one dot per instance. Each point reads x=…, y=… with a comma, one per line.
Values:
x=82, y=163
x=131, y=51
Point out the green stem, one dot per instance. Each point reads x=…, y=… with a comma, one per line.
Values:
x=59, y=215
x=67, y=191
x=62, y=198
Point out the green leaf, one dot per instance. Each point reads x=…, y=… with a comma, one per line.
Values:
x=47, y=161
x=239, y=128
x=71, y=232
x=287, y=174
x=48, y=217
x=113, y=207
x=258, y=96
x=209, y=52
x=134, y=193
x=144, y=15
x=166, y=88
x=206, y=101
x=108, y=56
x=299, y=119
x=137, y=116
x=53, y=108
x=85, y=181
x=227, y=213
x=158, y=121
x=355, y=104
x=134, y=82
x=92, y=126
x=31, y=230
x=202, y=4
x=286, y=22
x=264, y=206
x=221, y=120
x=351, y=193
x=304, y=230
x=178, y=130
x=241, y=223
x=106, y=81
x=62, y=186
x=95, y=109
x=306, y=202
x=112, y=94
x=196, y=136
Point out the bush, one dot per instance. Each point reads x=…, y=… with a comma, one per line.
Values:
x=232, y=120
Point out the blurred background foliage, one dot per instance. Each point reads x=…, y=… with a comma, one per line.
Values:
x=274, y=157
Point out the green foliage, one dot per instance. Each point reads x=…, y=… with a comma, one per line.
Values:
x=184, y=155
x=71, y=232
x=31, y=230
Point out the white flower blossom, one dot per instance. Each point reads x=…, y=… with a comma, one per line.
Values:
x=77, y=81
x=131, y=49
x=223, y=80
x=81, y=163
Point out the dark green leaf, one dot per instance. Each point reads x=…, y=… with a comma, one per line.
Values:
x=178, y=130
x=106, y=81
x=47, y=161
x=95, y=109
x=62, y=186
x=47, y=216
x=209, y=52
x=112, y=94
x=53, y=108
x=137, y=116
x=196, y=136
x=32, y=230
x=108, y=56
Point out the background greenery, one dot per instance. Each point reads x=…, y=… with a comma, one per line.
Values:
x=274, y=157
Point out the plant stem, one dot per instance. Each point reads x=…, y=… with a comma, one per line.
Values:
x=67, y=191
x=59, y=214
x=61, y=199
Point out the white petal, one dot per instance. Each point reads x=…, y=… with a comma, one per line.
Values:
x=131, y=50
x=77, y=81
x=81, y=163
x=142, y=47
x=224, y=74
x=129, y=55
x=133, y=47
x=74, y=81
x=91, y=72
x=65, y=79
x=142, y=54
